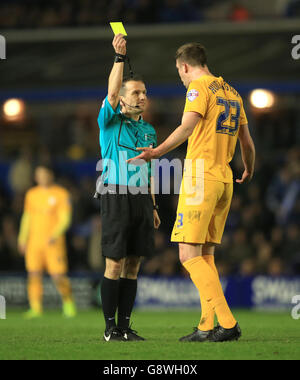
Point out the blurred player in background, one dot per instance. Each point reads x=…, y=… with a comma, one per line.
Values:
x=213, y=120
x=46, y=218
x=129, y=215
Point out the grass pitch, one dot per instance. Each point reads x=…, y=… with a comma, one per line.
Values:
x=264, y=336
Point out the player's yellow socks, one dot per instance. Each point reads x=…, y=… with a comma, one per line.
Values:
x=63, y=286
x=210, y=259
x=207, y=313
x=208, y=284
x=35, y=290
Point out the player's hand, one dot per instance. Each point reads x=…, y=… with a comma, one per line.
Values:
x=119, y=44
x=22, y=249
x=246, y=177
x=147, y=155
x=156, y=219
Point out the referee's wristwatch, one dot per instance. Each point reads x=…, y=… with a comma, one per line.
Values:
x=155, y=207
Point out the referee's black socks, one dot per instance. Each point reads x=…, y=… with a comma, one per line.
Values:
x=127, y=295
x=110, y=299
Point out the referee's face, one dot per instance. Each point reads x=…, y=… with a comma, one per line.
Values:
x=135, y=97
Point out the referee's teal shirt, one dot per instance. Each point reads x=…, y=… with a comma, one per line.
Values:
x=119, y=137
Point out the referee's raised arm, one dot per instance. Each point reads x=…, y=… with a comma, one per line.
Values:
x=116, y=75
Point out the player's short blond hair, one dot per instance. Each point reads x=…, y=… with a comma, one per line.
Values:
x=192, y=53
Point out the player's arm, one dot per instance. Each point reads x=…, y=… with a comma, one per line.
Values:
x=63, y=224
x=25, y=224
x=64, y=219
x=23, y=232
x=181, y=133
x=179, y=136
x=248, y=153
x=116, y=75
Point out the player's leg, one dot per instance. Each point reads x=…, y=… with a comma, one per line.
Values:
x=34, y=262
x=207, y=282
x=193, y=253
x=205, y=277
x=195, y=228
x=127, y=295
x=207, y=319
x=63, y=286
x=35, y=294
x=208, y=255
x=207, y=312
x=193, y=216
x=228, y=328
x=57, y=266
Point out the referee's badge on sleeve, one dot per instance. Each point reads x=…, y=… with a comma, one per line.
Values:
x=192, y=95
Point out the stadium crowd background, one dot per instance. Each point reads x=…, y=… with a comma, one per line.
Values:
x=262, y=234
x=57, y=13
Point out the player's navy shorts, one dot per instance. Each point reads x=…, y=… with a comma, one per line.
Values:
x=127, y=225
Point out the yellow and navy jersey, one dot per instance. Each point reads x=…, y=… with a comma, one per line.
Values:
x=214, y=137
x=44, y=206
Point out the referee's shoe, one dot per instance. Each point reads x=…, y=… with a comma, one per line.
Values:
x=114, y=334
x=131, y=335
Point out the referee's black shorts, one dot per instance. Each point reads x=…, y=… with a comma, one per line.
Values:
x=127, y=225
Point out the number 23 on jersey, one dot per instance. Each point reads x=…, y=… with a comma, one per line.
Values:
x=228, y=119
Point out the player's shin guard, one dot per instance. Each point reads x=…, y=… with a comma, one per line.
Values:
x=208, y=284
x=207, y=312
x=207, y=315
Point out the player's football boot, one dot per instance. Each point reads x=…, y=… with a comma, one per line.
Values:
x=69, y=309
x=220, y=334
x=32, y=314
x=131, y=335
x=114, y=334
x=196, y=336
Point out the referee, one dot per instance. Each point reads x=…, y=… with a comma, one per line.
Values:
x=128, y=210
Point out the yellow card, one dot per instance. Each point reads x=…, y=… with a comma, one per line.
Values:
x=118, y=27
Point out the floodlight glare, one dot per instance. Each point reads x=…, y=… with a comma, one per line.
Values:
x=13, y=109
x=262, y=98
